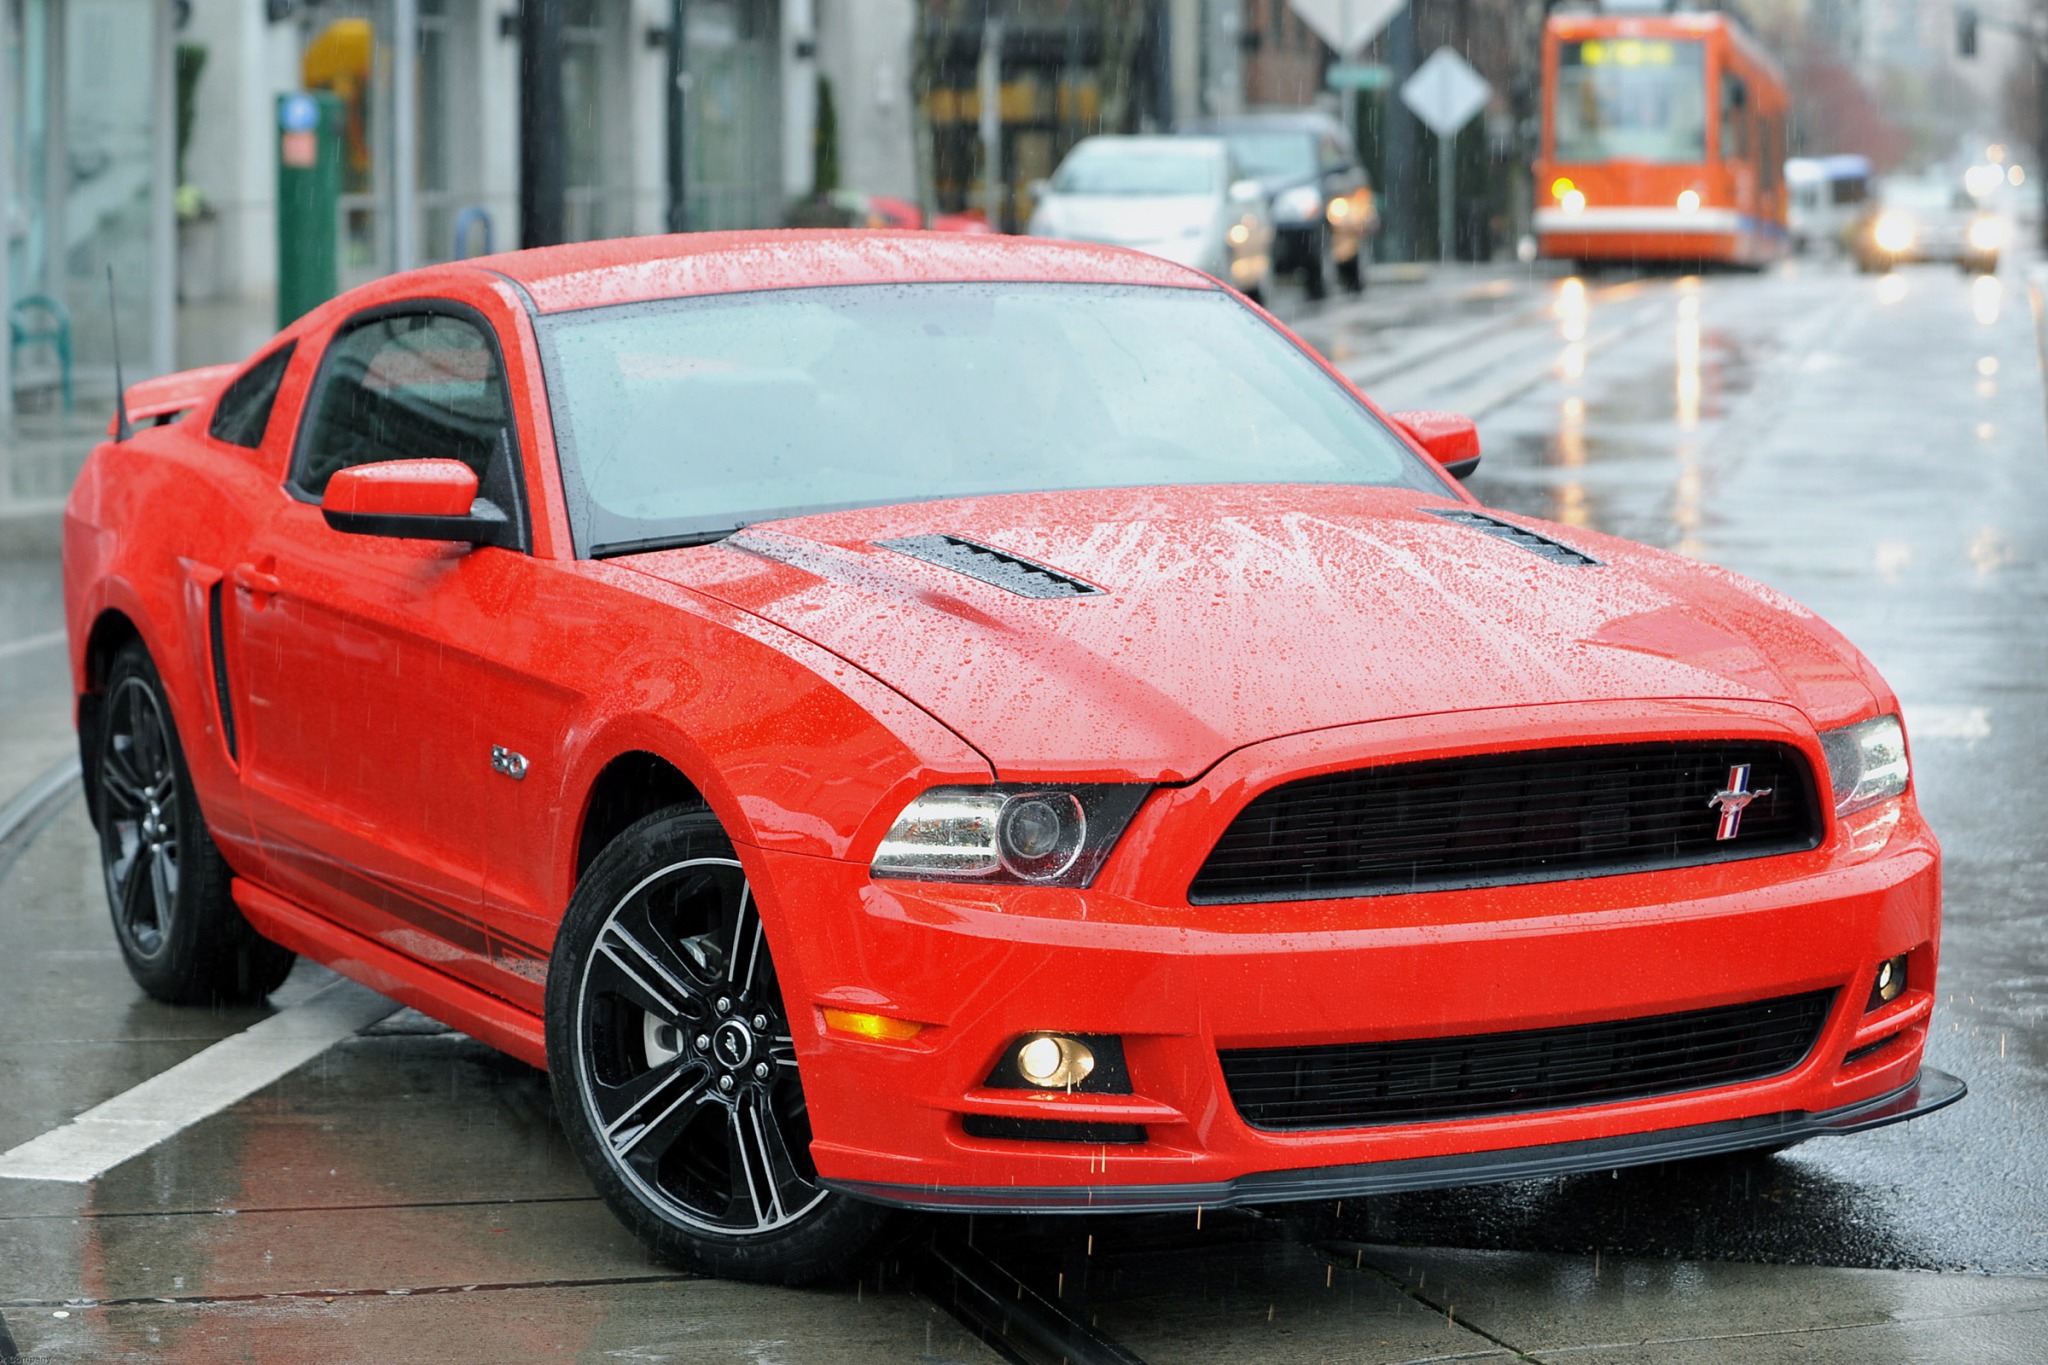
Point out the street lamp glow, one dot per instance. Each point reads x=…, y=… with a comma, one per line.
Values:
x=2015, y=175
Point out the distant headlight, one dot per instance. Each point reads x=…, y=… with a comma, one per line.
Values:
x=1866, y=763
x=1894, y=232
x=1302, y=204
x=1987, y=233
x=1044, y=836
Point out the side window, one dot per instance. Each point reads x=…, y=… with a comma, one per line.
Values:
x=409, y=387
x=1734, y=118
x=244, y=410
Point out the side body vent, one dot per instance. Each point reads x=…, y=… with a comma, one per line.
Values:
x=217, y=636
x=998, y=568
x=1535, y=544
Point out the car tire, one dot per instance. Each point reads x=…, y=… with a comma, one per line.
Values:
x=674, y=1067
x=1317, y=275
x=180, y=933
x=1351, y=273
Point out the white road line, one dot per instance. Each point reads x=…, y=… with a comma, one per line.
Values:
x=202, y=1085
x=33, y=643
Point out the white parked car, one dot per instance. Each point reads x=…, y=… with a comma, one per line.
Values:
x=1182, y=198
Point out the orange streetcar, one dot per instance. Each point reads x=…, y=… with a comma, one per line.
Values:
x=1663, y=140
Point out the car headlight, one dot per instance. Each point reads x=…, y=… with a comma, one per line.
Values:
x=1866, y=763
x=1008, y=832
x=1987, y=233
x=1302, y=204
x=1894, y=232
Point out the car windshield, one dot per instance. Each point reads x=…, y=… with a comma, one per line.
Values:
x=1275, y=153
x=682, y=419
x=1107, y=168
x=1631, y=99
x=1924, y=196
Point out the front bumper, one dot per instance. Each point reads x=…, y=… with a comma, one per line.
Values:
x=1925, y=1093
x=981, y=966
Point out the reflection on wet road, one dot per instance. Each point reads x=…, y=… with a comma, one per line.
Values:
x=1873, y=447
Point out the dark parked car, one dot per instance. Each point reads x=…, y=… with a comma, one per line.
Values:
x=1324, y=211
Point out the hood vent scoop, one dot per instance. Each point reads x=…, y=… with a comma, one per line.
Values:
x=998, y=568
x=1535, y=544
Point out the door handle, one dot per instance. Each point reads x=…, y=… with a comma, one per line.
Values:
x=254, y=581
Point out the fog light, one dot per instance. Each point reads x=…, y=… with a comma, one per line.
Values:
x=1051, y=1062
x=1890, y=983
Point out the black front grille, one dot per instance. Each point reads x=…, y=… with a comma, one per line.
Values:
x=1051, y=1130
x=1491, y=819
x=1417, y=1080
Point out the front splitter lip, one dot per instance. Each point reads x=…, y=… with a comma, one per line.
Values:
x=1925, y=1093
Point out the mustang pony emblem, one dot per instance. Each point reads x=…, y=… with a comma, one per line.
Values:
x=1735, y=800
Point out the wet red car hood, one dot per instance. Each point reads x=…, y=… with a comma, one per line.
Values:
x=1234, y=615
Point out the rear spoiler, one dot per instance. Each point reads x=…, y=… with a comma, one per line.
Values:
x=153, y=402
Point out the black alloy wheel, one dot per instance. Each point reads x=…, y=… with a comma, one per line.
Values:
x=179, y=931
x=1351, y=273
x=674, y=1066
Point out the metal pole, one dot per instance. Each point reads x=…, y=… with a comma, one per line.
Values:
x=405, y=134
x=6, y=212
x=678, y=116
x=989, y=89
x=1348, y=97
x=161, y=287
x=1400, y=189
x=541, y=169
x=1445, y=171
x=2040, y=168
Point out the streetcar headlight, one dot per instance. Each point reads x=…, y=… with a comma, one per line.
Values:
x=1866, y=763
x=1987, y=233
x=1894, y=232
x=1574, y=201
x=1688, y=201
x=1045, y=836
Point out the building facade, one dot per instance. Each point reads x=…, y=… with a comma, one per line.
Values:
x=87, y=146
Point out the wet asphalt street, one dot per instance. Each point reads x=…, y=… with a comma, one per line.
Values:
x=1873, y=447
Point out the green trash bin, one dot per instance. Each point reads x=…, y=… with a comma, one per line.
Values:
x=309, y=152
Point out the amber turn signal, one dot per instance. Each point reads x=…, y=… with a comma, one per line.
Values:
x=877, y=1027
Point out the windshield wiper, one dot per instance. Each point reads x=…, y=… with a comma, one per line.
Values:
x=681, y=540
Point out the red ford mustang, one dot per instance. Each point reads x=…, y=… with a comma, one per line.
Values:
x=974, y=724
